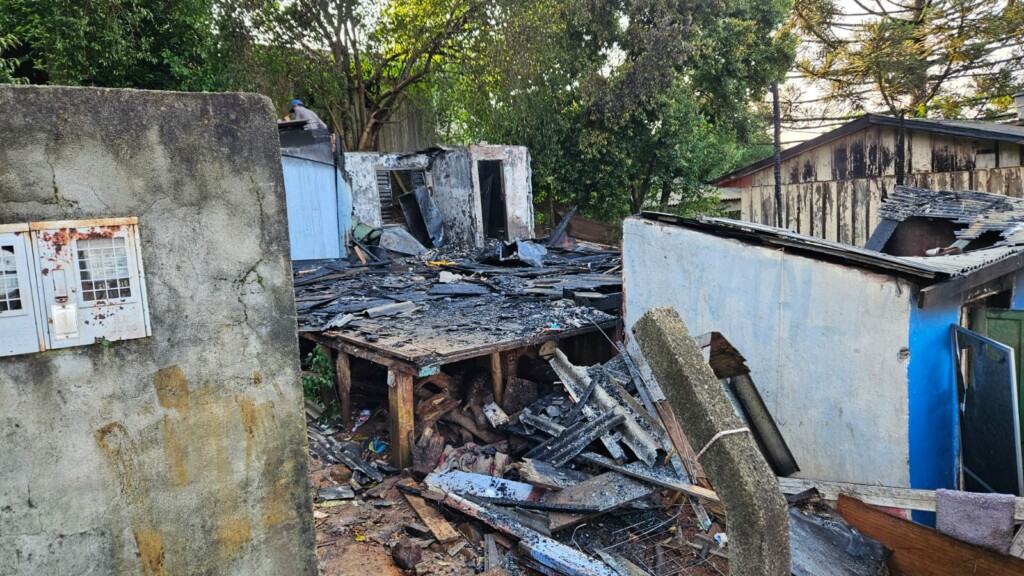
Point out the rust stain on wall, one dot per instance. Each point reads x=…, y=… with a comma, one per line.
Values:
x=255, y=418
x=233, y=532
x=281, y=499
x=150, y=547
x=175, y=450
x=171, y=388
x=121, y=452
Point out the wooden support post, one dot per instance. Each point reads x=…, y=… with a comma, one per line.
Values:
x=343, y=386
x=400, y=404
x=496, y=378
x=325, y=392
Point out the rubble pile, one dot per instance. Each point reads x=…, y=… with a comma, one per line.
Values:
x=570, y=474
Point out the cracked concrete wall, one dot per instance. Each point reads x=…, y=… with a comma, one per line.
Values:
x=182, y=453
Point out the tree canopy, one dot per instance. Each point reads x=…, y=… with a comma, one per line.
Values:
x=624, y=104
x=947, y=58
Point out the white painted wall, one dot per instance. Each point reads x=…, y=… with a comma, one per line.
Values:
x=823, y=341
x=361, y=170
x=518, y=176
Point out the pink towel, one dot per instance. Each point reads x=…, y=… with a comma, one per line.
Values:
x=982, y=519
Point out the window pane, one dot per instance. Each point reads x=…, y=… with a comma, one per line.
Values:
x=103, y=264
x=10, y=294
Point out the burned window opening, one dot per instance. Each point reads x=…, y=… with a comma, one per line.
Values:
x=392, y=185
x=492, y=198
x=103, y=269
x=10, y=290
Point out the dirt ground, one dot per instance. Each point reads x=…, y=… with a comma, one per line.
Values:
x=354, y=537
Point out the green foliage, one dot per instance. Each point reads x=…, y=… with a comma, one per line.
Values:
x=9, y=65
x=117, y=43
x=947, y=58
x=318, y=376
x=624, y=104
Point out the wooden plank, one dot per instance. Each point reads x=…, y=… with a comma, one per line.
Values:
x=921, y=551
x=401, y=402
x=497, y=382
x=442, y=530
x=905, y=498
x=343, y=386
x=338, y=344
x=610, y=490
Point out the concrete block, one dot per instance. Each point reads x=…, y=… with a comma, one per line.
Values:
x=758, y=522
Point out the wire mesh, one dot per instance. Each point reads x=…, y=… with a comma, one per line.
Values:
x=657, y=544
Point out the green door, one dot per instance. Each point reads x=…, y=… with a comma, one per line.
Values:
x=1006, y=327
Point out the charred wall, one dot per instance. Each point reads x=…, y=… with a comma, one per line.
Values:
x=833, y=191
x=184, y=452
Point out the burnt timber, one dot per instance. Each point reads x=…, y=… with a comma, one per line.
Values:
x=431, y=322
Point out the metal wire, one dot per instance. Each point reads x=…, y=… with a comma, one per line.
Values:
x=639, y=543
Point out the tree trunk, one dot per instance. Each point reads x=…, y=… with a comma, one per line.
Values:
x=666, y=195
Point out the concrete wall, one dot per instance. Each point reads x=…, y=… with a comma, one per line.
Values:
x=518, y=185
x=457, y=196
x=827, y=344
x=182, y=453
x=454, y=183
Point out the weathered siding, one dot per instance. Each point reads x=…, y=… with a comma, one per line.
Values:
x=833, y=191
x=826, y=344
x=411, y=129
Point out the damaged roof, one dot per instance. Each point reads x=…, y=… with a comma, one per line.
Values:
x=981, y=212
x=968, y=270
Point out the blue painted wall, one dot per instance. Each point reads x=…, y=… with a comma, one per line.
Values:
x=1018, y=291
x=319, y=208
x=931, y=378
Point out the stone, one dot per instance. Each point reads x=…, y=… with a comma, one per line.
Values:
x=406, y=554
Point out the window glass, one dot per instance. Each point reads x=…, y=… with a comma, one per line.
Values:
x=10, y=292
x=103, y=265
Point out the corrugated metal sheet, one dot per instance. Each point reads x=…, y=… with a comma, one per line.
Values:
x=319, y=209
x=929, y=268
x=980, y=211
x=959, y=264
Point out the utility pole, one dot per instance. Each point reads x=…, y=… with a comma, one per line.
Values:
x=777, y=125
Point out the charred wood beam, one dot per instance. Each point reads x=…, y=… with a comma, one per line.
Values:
x=541, y=549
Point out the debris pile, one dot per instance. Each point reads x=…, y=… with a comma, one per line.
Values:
x=569, y=473
x=424, y=309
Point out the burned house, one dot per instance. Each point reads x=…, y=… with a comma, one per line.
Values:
x=480, y=192
x=851, y=348
x=149, y=389
x=834, y=184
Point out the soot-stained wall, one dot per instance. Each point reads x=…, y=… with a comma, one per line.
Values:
x=184, y=452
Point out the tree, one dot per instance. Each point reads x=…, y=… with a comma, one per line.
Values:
x=946, y=58
x=376, y=53
x=117, y=43
x=623, y=103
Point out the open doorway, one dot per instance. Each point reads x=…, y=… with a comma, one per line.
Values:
x=492, y=198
